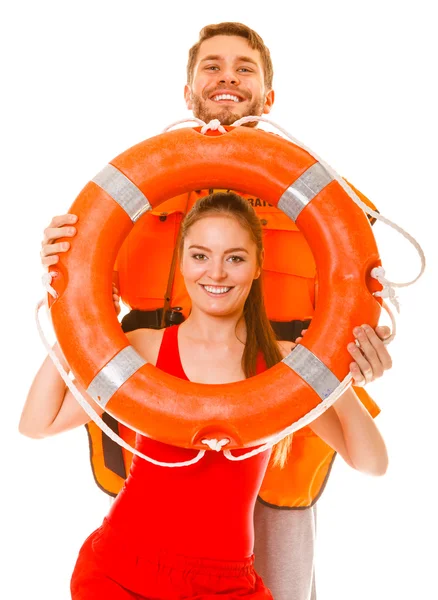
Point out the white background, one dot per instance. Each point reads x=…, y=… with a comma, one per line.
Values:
x=82, y=82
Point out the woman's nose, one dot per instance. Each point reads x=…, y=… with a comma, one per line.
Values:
x=217, y=270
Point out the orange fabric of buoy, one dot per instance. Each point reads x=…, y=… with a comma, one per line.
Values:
x=142, y=285
x=174, y=411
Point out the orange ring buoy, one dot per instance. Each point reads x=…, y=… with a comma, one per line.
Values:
x=179, y=412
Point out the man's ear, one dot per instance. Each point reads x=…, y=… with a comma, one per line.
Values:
x=270, y=98
x=188, y=97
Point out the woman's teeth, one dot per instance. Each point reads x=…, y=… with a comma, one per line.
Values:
x=216, y=290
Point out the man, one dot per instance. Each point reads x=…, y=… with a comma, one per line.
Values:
x=229, y=75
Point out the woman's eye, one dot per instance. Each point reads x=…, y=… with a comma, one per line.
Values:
x=199, y=256
x=211, y=67
x=236, y=259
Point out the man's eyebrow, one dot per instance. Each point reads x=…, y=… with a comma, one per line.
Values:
x=239, y=58
x=226, y=251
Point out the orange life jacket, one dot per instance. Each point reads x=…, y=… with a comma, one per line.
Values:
x=142, y=275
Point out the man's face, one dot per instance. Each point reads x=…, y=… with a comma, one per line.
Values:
x=228, y=81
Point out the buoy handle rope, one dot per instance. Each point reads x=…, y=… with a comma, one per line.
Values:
x=218, y=445
x=89, y=409
x=355, y=198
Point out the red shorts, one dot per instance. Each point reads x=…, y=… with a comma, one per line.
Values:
x=107, y=568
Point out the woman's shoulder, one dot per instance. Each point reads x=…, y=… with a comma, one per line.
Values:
x=285, y=347
x=147, y=342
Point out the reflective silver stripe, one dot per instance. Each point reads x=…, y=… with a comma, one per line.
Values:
x=114, y=374
x=312, y=370
x=303, y=190
x=123, y=191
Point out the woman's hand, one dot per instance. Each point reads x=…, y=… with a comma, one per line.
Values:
x=371, y=358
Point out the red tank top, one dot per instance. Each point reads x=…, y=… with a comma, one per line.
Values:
x=204, y=510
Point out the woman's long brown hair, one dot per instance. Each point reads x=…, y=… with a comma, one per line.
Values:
x=260, y=335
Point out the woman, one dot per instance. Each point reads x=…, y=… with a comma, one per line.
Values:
x=188, y=532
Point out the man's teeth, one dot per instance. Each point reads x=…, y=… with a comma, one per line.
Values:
x=216, y=290
x=226, y=97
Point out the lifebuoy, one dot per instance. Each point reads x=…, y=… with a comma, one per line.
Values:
x=179, y=412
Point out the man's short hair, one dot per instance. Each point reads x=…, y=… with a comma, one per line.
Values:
x=229, y=28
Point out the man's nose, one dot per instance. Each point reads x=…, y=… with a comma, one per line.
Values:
x=228, y=76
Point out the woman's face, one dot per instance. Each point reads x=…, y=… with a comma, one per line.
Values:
x=219, y=264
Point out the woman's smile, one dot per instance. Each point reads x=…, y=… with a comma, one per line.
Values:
x=215, y=290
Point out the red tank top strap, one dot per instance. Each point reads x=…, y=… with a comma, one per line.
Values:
x=169, y=359
x=261, y=363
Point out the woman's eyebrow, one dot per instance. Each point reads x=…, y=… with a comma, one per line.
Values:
x=226, y=251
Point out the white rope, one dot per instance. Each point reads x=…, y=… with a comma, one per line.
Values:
x=378, y=273
x=216, y=444
x=189, y=120
x=306, y=420
x=47, y=283
x=388, y=291
x=351, y=193
x=317, y=411
x=88, y=408
x=393, y=322
x=214, y=125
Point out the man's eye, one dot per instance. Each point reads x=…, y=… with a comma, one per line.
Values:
x=245, y=69
x=211, y=67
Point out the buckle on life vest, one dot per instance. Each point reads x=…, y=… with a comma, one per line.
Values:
x=151, y=319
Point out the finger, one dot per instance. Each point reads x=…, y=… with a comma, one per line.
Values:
x=378, y=352
x=51, y=249
x=298, y=340
x=51, y=234
x=303, y=331
x=383, y=332
x=48, y=261
x=358, y=377
x=62, y=220
x=362, y=364
x=369, y=349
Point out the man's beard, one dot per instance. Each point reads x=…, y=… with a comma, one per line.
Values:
x=225, y=114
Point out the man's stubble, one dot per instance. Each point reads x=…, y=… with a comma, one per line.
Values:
x=226, y=115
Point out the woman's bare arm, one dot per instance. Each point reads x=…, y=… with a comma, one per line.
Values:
x=348, y=428
x=51, y=408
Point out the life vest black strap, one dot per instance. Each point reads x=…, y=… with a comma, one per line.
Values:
x=152, y=319
x=289, y=331
x=112, y=452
